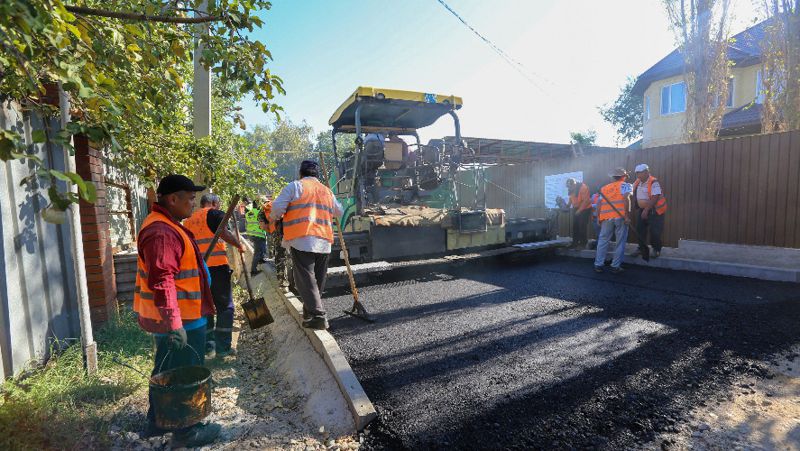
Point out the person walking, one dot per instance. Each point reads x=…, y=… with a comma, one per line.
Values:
x=172, y=296
x=613, y=213
x=581, y=204
x=203, y=224
x=274, y=231
x=256, y=236
x=307, y=208
x=651, y=207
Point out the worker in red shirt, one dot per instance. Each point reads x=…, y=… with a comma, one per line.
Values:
x=173, y=294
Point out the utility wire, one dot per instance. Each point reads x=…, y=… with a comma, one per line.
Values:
x=519, y=67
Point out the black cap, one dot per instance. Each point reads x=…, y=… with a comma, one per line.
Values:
x=176, y=182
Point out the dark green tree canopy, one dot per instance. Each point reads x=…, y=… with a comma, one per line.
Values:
x=625, y=114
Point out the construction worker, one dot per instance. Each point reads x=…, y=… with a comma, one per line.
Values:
x=652, y=206
x=307, y=208
x=172, y=296
x=581, y=204
x=613, y=213
x=595, y=223
x=274, y=237
x=203, y=224
x=256, y=236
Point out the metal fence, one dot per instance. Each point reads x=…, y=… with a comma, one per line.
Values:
x=37, y=283
x=740, y=190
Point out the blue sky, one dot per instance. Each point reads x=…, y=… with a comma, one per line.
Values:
x=579, y=53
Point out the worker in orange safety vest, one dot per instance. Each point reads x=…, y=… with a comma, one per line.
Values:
x=172, y=296
x=307, y=208
x=651, y=205
x=203, y=224
x=613, y=213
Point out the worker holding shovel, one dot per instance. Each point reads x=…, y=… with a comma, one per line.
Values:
x=613, y=212
x=173, y=294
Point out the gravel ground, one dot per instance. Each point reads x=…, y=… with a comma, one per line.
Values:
x=549, y=355
x=276, y=393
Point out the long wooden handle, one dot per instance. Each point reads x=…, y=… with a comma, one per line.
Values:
x=631, y=229
x=221, y=227
x=244, y=266
x=339, y=233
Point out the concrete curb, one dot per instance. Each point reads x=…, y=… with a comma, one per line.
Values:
x=325, y=344
x=703, y=266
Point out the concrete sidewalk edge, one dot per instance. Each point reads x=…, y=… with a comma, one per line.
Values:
x=325, y=344
x=703, y=266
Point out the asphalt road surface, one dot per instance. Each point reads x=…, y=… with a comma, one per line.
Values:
x=548, y=354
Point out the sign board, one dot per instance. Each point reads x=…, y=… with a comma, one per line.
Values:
x=556, y=185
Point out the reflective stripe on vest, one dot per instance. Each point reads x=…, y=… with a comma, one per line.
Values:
x=312, y=214
x=661, y=206
x=187, y=281
x=251, y=224
x=613, y=192
x=198, y=225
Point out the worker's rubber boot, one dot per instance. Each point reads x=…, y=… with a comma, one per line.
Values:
x=199, y=435
x=316, y=322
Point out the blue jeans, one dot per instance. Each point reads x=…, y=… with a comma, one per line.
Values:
x=608, y=228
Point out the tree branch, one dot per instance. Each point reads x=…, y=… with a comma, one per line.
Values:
x=139, y=17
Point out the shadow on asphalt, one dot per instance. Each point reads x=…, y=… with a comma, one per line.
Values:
x=714, y=329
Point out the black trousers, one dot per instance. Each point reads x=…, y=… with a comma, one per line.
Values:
x=580, y=226
x=654, y=224
x=310, y=270
x=220, y=328
x=167, y=359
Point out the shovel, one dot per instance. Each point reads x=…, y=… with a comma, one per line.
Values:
x=357, y=310
x=255, y=310
x=646, y=249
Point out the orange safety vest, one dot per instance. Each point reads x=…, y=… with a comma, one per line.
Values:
x=613, y=192
x=661, y=206
x=578, y=203
x=267, y=209
x=198, y=225
x=187, y=281
x=312, y=214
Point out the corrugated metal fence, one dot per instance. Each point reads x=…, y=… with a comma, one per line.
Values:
x=740, y=190
x=37, y=285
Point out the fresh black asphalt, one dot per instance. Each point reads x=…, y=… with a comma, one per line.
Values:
x=546, y=354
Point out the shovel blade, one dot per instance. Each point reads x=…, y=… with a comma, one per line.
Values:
x=257, y=313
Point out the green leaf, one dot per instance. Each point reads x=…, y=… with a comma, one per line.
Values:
x=39, y=136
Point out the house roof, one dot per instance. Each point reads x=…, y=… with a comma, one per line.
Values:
x=744, y=119
x=744, y=50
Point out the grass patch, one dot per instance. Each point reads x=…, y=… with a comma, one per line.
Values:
x=59, y=406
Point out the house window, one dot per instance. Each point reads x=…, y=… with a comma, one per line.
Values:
x=646, y=107
x=759, y=88
x=673, y=98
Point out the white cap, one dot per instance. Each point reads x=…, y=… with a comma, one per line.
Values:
x=641, y=168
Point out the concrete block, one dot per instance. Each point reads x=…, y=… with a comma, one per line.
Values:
x=325, y=344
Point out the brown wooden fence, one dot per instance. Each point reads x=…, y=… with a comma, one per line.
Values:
x=740, y=190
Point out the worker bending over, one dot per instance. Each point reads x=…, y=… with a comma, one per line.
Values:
x=203, y=224
x=172, y=295
x=581, y=204
x=308, y=208
x=613, y=212
x=652, y=206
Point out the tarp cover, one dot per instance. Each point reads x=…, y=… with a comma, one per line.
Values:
x=419, y=216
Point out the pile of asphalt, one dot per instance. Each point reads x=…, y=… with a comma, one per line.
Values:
x=548, y=354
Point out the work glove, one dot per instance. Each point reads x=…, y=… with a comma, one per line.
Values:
x=177, y=339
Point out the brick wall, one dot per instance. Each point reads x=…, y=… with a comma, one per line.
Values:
x=96, y=234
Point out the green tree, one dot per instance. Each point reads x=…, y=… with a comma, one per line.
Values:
x=586, y=138
x=625, y=114
x=124, y=68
